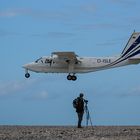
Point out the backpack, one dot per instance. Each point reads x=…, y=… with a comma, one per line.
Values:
x=75, y=103
x=78, y=103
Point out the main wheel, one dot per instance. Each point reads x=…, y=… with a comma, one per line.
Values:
x=69, y=77
x=27, y=75
x=74, y=78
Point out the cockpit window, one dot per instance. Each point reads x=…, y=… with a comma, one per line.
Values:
x=44, y=60
x=39, y=60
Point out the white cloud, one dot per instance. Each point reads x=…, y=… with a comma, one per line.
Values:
x=14, y=87
x=43, y=95
x=34, y=13
x=7, y=14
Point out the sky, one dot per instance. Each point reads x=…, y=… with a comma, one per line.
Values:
x=30, y=29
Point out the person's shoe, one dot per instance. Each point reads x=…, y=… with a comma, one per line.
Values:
x=80, y=127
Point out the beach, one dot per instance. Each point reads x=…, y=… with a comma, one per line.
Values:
x=69, y=133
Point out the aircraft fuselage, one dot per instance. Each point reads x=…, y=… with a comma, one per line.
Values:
x=86, y=64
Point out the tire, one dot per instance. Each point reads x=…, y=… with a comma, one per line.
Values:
x=74, y=78
x=27, y=75
x=69, y=77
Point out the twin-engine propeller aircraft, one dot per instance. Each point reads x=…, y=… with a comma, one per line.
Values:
x=69, y=62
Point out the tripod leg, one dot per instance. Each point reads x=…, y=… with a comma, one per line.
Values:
x=87, y=115
x=89, y=118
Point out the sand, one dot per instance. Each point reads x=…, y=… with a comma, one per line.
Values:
x=69, y=133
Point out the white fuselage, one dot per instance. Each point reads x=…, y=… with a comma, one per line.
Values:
x=86, y=64
x=71, y=63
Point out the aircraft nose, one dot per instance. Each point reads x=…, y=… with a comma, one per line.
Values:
x=27, y=66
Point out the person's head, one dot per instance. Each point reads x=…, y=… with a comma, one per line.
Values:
x=81, y=95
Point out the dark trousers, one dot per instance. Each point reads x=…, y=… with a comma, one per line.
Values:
x=80, y=118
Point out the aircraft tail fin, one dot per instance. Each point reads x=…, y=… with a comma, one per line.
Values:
x=132, y=48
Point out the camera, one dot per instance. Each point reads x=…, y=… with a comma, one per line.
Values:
x=86, y=101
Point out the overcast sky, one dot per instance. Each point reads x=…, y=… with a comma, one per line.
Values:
x=30, y=29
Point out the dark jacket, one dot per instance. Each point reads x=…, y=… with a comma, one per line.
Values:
x=80, y=105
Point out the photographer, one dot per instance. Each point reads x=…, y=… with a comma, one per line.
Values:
x=79, y=105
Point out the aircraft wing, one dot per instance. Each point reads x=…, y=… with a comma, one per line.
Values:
x=69, y=57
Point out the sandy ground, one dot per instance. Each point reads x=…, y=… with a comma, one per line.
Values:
x=69, y=133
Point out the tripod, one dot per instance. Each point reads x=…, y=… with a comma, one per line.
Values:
x=88, y=118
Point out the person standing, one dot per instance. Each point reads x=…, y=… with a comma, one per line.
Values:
x=78, y=104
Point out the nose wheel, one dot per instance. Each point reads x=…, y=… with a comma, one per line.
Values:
x=27, y=75
x=72, y=77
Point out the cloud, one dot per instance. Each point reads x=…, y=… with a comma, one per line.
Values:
x=88, y=8
x=49, y=15
x=42, y=95
x=63, y=14
x=53, y=35
x=30, y=89
x=111, y=42
x=14, y=87
x=101, y=26
x=106, y=44
x=124, y=2
x=8, y=33
x=8, y=13
x=134, y=92
x=60, y=34
x=134, y=20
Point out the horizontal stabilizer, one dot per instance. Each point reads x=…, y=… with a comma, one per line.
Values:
x=135, y=59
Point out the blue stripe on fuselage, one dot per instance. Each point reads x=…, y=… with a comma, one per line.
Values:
x=137, y=41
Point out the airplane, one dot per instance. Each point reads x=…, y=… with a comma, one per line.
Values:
x=69, y=62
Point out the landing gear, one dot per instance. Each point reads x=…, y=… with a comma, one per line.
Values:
x=27, y=75
x=69, y=77
x=72, y=77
